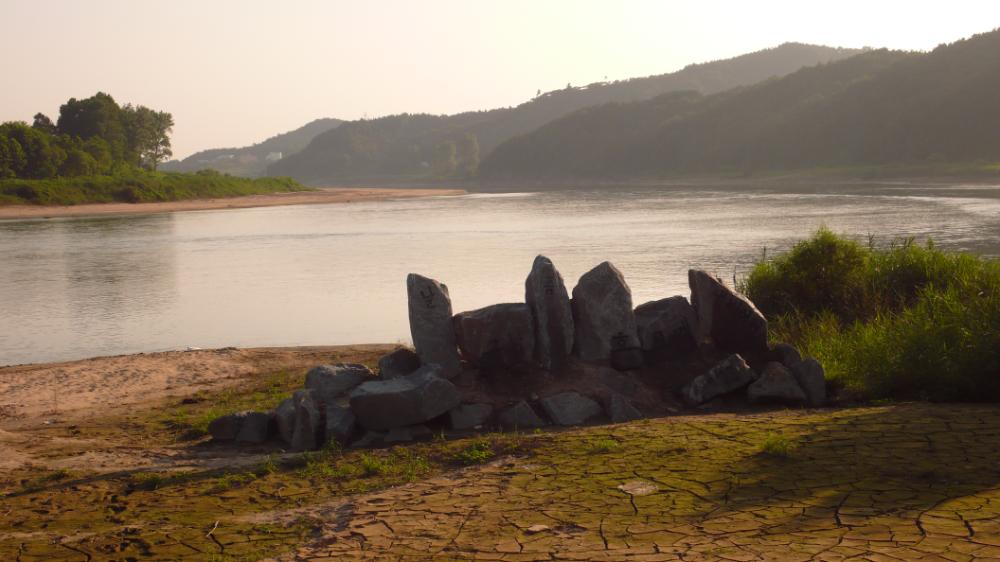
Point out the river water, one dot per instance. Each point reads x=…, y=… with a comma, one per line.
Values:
x=335, y=274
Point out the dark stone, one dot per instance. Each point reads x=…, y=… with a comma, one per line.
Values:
x=570, y=408
x=619, y=383
x=552, y=316
x=776, y=384
x=227, y=427
x=399, y=363
x=726, y=318
x=469, y=416
x=329, y=382
x=403, y=401
x=626, y=359
x=785, y=354
x=256, y=428
x=284, y=420
x=603, y=319
x=520, y=416
x=431, y=325
x=496, y=336
x=307, y=435
x=407, y=434
x=340, y=423
x=810, y=376
x=666, y=327
x=621, y=410
x=369, y=439
x=731, y=374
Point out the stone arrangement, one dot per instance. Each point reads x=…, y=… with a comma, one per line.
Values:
x=552, y=360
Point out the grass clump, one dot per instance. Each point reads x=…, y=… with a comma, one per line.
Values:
x=776, y=445
x=901, y=322
x=137, y=186
x=477, y=452
x=604, y=445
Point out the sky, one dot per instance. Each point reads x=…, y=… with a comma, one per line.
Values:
x=236, y=72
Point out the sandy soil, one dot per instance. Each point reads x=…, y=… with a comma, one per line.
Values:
x=324, y=195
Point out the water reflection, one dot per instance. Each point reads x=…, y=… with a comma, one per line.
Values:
x=335, y=273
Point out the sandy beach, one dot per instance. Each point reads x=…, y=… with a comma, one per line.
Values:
x=318, y=197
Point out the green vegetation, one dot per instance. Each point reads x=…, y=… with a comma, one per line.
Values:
x=478, y=452
x=879, y=112
x=902, y=322
x=776, y=445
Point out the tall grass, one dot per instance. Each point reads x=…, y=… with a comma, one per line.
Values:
x=137, y=186
x=905, y=321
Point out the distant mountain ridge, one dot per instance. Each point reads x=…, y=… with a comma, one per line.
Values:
x=252, y=161
x=408, y=147
x=877, y=108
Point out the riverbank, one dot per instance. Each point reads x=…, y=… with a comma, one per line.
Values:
x=316, y=197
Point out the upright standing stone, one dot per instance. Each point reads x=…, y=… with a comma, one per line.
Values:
x=602, y=314
x=666, y=325
x=431, y=325
x=551, y=314
x=726, y=318
x=308, y=430
x=496, y=336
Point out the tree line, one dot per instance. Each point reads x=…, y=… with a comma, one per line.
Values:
x=92, y=136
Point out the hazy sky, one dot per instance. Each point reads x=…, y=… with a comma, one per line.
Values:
x=235, y=72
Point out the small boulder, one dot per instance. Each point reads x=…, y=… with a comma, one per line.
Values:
x=730, y=374
x=369, y=439
x=469, y=416
x=340, y=423
x=408, y=400
x=407, y=434
x=603, y=319
x=621, y=410
x=786, y=354
x=810, y=376
x=399, y=363
x=520, y=416
x=626, y=359
x=256, y=428
x=431, y=326
x=776, y=384
x=308, y=425
x=619, y=383
x=227, y=427
x=726, y=318
x=570, y=408
x=329, y=382
x=666, y=326
x=496, y=336
x=284, y=420
x=552, y=316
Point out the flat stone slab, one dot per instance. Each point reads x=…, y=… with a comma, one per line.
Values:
x=570, y=408
x=520, y=416
x=329, y=382
x=469, y=416
x=729, y=375
x=403, y=401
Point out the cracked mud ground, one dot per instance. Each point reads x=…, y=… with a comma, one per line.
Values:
x=907, y=482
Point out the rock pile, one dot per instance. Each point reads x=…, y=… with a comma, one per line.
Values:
x=550, y=360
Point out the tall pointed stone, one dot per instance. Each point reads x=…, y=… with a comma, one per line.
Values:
x=603, y=319
x=726, y=318
x=430, y=324
x=551, y=314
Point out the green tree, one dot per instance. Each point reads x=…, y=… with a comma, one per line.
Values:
x=148, y=134
x=44, y=124
x=12, y=158
x=468, y=154
x=97, y=116
x=445, y=160
x=42, y=157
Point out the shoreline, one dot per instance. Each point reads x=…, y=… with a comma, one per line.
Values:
x=324, y=195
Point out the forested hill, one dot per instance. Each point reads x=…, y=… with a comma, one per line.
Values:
x=878, y=108
x=418, y=146
x=252, y=161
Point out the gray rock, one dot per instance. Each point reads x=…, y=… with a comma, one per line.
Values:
x=329, y=382
x=227, y=427
x=399, y=363
x=284, y=420
x=776, y=384
x=617, y=382
x=570, y=408
x=626, y=359
x=785, y=354
x=810, y=376
x=407, y=434
x=369, y=439
x=340, y=423
x=430, y=324
x=308, y=425
x=403, y=401
x=731, y=374
x=468, y=416
x=666, y=325
x=603, y=319
x=256, y=428
x=621, y=410
x=496, y=336
x=520, y=416
x=726, y=318
x=552, y=316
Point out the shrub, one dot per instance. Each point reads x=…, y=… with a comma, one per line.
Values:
x=478, y=452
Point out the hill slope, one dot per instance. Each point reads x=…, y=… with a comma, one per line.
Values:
x=406, y=147
x=878, y=108
x=252, y=160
